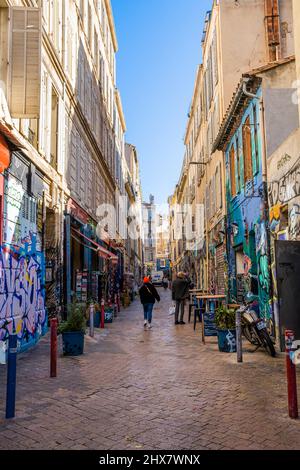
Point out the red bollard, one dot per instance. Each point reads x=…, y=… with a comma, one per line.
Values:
x=53, y=355
x=291, y=375
x=102, y=314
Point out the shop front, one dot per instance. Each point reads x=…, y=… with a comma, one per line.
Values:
x=91, y=266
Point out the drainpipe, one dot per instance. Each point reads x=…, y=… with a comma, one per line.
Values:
x=246, y=92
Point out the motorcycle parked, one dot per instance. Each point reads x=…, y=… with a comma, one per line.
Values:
x=254, y=328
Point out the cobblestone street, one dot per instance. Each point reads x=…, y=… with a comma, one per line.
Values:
x=159, y=389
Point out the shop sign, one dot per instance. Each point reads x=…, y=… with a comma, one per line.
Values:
x=75, y=211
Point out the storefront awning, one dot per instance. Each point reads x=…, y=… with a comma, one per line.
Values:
x=103, y=252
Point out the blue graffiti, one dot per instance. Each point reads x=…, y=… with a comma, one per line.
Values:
x=22, y=291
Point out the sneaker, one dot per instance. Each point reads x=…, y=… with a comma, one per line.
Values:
x=145, y=325
x=182, y=323
x=177, y=323
x=149, y=326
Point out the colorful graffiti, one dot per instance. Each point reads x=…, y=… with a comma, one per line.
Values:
x=287, y=188
x=247, y=229
x=22, y=291
x=294, y=222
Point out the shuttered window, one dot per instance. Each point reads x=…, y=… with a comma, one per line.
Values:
x=25, y=62
x=247, y=149
x=232, y=171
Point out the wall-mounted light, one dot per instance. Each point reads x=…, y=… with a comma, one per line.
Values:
x=235, y=228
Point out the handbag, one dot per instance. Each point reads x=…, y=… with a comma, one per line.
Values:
x=172, y=310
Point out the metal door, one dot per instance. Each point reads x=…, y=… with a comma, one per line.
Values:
x=288, y=285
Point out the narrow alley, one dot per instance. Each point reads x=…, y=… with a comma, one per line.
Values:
x=158, y=389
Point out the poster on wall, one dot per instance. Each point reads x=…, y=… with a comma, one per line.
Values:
x=81, y=286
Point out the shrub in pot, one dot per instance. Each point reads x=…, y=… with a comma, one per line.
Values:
x=73, y=330
x=225, y=324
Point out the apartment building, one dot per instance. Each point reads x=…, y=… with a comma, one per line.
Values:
x=149, y=227
x=134, y=241
x=62, y=122
x=237, y=37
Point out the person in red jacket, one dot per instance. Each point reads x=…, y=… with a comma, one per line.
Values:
x=148, y=296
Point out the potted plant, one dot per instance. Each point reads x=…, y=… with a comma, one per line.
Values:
x=226, y=330
x=73, y=330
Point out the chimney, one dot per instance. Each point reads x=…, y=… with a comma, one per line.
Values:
x=272, y=21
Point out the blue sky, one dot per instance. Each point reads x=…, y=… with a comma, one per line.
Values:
x=159, y=50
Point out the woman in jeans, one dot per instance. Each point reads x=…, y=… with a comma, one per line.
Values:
x=148, y=296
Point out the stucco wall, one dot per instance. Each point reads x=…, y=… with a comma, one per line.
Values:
x=281, y=117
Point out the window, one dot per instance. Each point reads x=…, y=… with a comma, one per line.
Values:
x=232, y=171
x=25, y=61
x=238, y=164
x=247, y=149
x=256, y=138
x=96, y=46
x=90, y=27
x=54, y=128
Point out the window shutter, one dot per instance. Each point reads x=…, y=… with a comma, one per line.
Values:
x=61, y=138
x=25, y=62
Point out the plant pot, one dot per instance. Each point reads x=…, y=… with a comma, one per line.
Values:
x=227, y=340
x=73, y=343
x=97, y=320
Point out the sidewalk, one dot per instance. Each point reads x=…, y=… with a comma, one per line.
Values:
x=159, y=389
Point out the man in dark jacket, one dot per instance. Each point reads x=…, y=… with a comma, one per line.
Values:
x=180, y=292
x=148, y=296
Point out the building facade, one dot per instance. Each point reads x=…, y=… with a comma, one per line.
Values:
x=149, y=227
x=267, y=31
x=62, y=118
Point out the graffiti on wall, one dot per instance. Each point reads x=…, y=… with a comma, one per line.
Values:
x=294, y=222
x=287, y=188
x=22, y=291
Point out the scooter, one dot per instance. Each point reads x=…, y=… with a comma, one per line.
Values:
x=254, y=328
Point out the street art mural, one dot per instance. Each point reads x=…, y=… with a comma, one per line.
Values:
x=248, y=242
x=287, y=187
x=22, y=269
x=22, y=292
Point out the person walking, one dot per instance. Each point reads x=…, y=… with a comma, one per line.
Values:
x=180, y=291
x=148, y=296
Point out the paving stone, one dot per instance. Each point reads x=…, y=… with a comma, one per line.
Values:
x=153, y=390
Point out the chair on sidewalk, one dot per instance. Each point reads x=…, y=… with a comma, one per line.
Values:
x=196, y=306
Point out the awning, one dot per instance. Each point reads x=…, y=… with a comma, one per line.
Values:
x=103, y=252
x=4, y=155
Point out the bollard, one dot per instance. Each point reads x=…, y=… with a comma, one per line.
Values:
x=92, y=310
x=118, y=302
x=102, y=314
x=11, y=377
x=53, y=346
x=291, y=375
x=239, y=344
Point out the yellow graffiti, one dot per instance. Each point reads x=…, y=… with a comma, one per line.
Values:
x=275, y=212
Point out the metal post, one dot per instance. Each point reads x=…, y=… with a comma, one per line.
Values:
x=92, y=310
x=239, y=344
x=53, y=343
x=11, y=377
x=291, y=375
x=102, y=314
x=118, y=302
